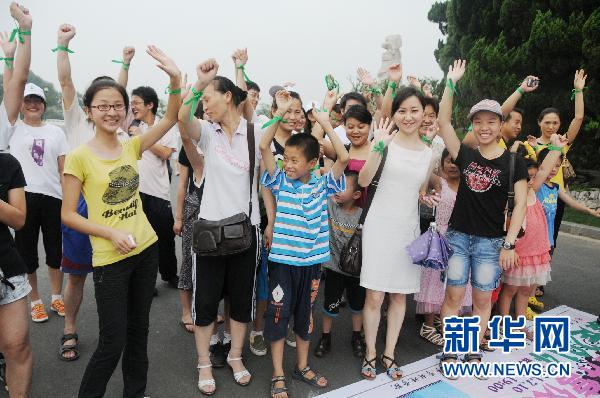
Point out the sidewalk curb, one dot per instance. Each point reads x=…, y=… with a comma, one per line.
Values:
x=580, y=230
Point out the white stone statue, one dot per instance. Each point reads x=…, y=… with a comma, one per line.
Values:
x=391, y=56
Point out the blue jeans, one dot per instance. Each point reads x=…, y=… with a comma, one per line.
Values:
x=475, y=257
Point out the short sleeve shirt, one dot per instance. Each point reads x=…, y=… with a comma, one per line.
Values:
x=38, y=149
x=111, y=190
x=6, y=128
x=483, y=192
x=11, y=177
x=226, y=172
x=301, y=231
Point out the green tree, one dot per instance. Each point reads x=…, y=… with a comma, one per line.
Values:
x=505, y=40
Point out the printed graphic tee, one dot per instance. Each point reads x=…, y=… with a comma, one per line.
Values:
x=111, y=190
x=483, y=192
x=38, y=149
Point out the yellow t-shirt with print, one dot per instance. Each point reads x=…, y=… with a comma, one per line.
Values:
x=558, y=178
x=110, y=188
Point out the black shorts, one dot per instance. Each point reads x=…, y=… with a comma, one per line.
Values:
x=293, y=290
x=335, y=284
x=43, y=212
x=234, y=276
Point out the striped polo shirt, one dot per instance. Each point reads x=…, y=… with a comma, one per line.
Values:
x=301, y=231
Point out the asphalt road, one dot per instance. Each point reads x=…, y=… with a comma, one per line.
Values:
x=171, y=350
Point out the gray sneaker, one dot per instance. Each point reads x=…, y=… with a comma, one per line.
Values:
x=258, y=345
x=291, y=338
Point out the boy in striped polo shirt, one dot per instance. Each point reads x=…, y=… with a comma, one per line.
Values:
x=300, y=238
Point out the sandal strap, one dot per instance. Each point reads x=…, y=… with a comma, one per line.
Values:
x=305, y=370
x=472, y=356
x=204, y=366
x=241, y=374
x=318, y=376
x=69, y=336
x=233, y=359
x=207, y=382
x=369, y=363
x=444, y=356
x=392, y=362
x=275, y=379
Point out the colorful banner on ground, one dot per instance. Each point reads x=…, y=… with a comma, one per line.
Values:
x=423, y=379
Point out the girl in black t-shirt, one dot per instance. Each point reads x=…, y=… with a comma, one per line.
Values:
x=481, y=246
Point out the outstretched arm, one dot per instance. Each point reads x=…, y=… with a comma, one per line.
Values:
x=574, y=204
x=317, y=130
x=557, y=142
x=66, y=32
x=455, y=73
x=13, y=91
x=188, y=124
x=579, y=85
x=154, y=133
x=510, y=103
x=9, y=48
x=240, y=59
x=395, y=77
x=342, y=157
x=128, y=53
x=384, y=134
x=284, y=101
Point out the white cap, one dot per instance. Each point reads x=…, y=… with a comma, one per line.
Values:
x=32, y=89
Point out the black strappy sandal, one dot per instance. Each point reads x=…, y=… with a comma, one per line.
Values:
x=368, y=368
x=313, y=381
x=278, y=390
x=392, y=368
x=69, y=347
x=446, y=357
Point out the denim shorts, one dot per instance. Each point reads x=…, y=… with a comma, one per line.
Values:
x=474, y=257
x=9, y=295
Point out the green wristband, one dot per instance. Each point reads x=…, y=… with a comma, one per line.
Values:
x=379, y=147
x=520, y=91
x=8, y=62
x=118, y=61
x=169, y=91
x=452, y=87
x=332, y=83
x=393, y=86
x=426, y=140
x=554, y=148
x=62, y=48
x=274, y=120
x=16, y=32
x=242, y=67
x=575, y=91
x=194, y=101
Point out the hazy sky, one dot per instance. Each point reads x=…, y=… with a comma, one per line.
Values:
x=296, y=41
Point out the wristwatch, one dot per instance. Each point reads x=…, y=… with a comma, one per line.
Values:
x=508, y=246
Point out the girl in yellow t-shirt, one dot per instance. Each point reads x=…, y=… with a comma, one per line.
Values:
x=125, y=254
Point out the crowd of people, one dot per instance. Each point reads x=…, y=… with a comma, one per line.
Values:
x=265, y=206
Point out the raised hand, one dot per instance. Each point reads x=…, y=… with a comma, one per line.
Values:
x=8, y=47
x=395, y=72
x=185, y=86
x=413, y=81
x=21, y=15
x=558, y=140
x=240, y=57
x=427, y=90
x=283, y=99
x=526, y=87
x=321, y=116
x=128, y=53
x=579, y=81
x=207, y=70
x=365, y=77
x=430, y=131
x=457, y=70
x=385, y=131
x=330, y=99
x=65, y=33
x=165, y=63
x=532, y=141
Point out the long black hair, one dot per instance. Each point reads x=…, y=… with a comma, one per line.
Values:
x=224, y=85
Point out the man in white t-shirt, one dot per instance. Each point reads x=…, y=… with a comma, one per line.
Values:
x=155, y=183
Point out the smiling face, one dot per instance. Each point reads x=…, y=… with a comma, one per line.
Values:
x=429, y=116
x=357, y=132
x=139, y=109
x=486, y=127
x=549, y=125
x=33, y=107
x=294, y=117
x=107, y=120
x=409, y=116
x=295, y=164
x=512, y=128
x=253, y=97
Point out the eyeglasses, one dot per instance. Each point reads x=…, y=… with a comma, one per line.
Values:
x=106, y=108
x=136, y=103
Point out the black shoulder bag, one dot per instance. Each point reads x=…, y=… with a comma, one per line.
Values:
x=233, y=234
x=510, y=204
x=351, y=256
